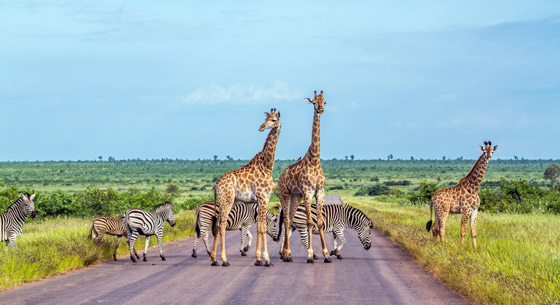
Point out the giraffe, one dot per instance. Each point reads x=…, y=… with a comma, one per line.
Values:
x=305, y=180
x=462, y=198
x=251, y=183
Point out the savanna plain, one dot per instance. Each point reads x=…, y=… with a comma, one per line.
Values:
x=516, y=262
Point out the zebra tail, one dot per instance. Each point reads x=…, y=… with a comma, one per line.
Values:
x=90, y=236
x=429, y=224
x=197, y=227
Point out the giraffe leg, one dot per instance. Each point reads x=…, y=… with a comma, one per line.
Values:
x=261, y=232
x=464, y=221
x=320, y=200
x=307, y=202
x=473, y=227
x=215, y=247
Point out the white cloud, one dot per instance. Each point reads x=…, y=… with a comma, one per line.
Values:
x=243, y=94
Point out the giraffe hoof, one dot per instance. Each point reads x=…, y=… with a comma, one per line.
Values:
x=309, y=261
x=225, y=264
x=214, y=264
x=268, y=264
x=339, y=256
x=328, y=260
x=258, y=263
x=243, y=254
x=288, y=260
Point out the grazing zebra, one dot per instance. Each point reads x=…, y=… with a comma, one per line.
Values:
x=242, y=216
x=337, y=218
x=12, y=221
x=102, y=225
x=147, y=223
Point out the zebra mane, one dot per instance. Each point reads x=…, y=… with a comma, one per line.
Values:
x=361, y=215
x=14, y=205
x=164, y=206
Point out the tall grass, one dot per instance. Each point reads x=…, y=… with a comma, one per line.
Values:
x=55, y=245
x=516, y=262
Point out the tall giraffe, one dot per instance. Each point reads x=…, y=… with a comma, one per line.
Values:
x=252, y=183
x=462, y=198
x=305, y=180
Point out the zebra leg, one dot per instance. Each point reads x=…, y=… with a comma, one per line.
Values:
x=340, y=236
x=307, y=201
x=132, y=236
x=334, y=243
x=116, y=247
x=146, y=243
x=205, y=240
x=243, y=233
x=249, y=242
x=160, y=248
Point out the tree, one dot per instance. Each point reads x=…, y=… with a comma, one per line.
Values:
x=100, y=158
x=352, y=157
x=346, y=158
x=515, y=158
x=229, y=158
x=390, y=157
x=215, y=157
x=551, y=173
x=411, y=158
x=173, y=190
x=443, y=158
x=111, y=159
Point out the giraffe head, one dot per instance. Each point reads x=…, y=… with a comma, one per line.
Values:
x=488, y=150
x=318, y=102
x=272, y=120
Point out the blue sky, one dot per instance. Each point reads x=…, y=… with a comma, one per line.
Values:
x=154, y=79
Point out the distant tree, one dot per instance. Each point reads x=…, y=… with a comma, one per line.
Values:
x=111, y=159
x=515, y=158
x=173, y=190
x=352, y=157
x=390, y=157
x=100, y=158
x=346, y=158
x=229, y=158
x=551, y=173
x=443, y=158
x=411, y=158
x=215, y=157
x=460, y=158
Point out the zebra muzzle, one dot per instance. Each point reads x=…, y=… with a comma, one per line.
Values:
x=33, y=214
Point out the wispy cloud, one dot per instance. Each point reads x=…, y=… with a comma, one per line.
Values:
x=243, y=94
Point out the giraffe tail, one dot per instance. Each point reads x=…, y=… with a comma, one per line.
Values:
x=429, y=224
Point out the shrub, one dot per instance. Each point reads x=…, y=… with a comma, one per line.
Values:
x=423, y=193
x=373, y=190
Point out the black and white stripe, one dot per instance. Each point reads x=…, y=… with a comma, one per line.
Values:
x=336, y=218
x=241, y=217
x=147, y=223
x=11, y=222
x=102, y=225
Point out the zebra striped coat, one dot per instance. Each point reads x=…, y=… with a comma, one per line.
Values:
x=11, y=222
x=102, y=225
x=147, y=223
x=336, y=218
x=242, y=217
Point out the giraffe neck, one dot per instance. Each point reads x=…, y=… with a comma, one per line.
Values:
x=269, y=148
x=475, y=176
x=313, y=154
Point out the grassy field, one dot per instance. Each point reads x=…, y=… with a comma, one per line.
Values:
x=48, y=247
x=516, y=262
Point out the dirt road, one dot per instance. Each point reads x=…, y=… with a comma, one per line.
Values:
x=383, y=275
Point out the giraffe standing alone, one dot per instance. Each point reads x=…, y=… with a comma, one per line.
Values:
x=252, y=183
x=305, y=180
x=462, y=198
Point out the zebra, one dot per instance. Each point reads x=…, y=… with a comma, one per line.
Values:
x=337, y=218
x=102, y=225
x=11, y=222
x=147, y=223
x=242, y=217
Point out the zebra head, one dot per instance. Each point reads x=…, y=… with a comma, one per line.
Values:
x=271, y=225
x=165, y=210
x=361, y=223
x=29, y=204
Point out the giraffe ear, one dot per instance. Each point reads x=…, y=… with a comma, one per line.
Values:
x=266, y=114
x=481, y=147
x=278, y=115
x=495, y=147
x=309, y=100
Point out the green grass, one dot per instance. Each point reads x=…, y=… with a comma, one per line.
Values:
x=516, y=262
x=55, y=245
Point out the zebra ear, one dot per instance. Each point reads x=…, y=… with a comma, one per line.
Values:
x=32, y=196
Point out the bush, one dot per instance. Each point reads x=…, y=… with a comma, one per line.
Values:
x=519, y=196
x=373, y=190
x=423, y=193
x=401, y=182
